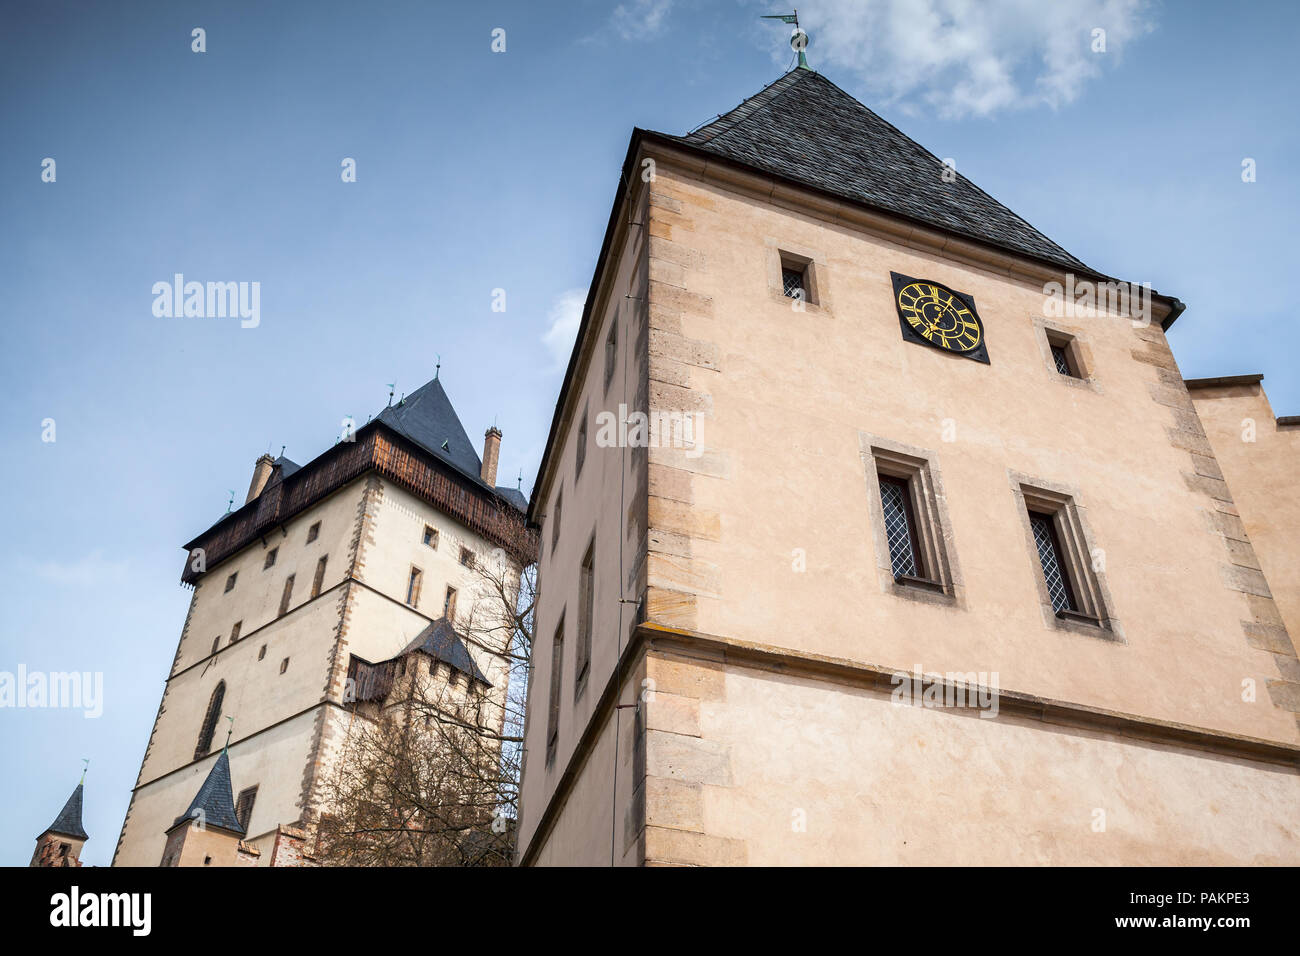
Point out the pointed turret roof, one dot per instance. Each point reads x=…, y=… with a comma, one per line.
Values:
x=440, y=641
x=805, y=128
x=68, y=822
x=215, y=799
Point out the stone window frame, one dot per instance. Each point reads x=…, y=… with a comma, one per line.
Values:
x=586, y=618
x=611, y=348
x=780, y=255
x=1078, y=351
x=919, y=468
x=555, y=692
x=1077, y=544
x=269, y=560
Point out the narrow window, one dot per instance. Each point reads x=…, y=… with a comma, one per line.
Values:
x=555, y=520
x=413, y=587
x=234, y=631
x=431, y=537
x=244, y=806
x=900, y=527
x=586, y=607
x=553, y=709
x=580, y=451
x=284, y=665
x=449, y=604
x=796, y=277
x=467, y=557
x=313, y=532
x=1065, y=354
x=320, y=575
x=216, y=643
x=611, y=351
x=270, y=558
x=1053, y=561
x=261, y=652
x=230, y=582
x=210, y=719
x=284, y=598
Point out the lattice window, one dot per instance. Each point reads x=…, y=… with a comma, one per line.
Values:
x=1049, y=553
x=792, y=283
x=899, y=527
x=1062, y=360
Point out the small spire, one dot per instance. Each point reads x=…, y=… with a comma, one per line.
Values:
x=229, y=730
x=437, y=368
x=86, y=761
x=282, y=448
x=231, y=503
x=519, y=482
x=392, y=387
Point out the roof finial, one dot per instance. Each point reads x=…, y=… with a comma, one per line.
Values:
x=231, y=503
x=230, y=730
x=519, y=482
x=798, y=36
x=282, y=448
x=86, y=761
x=437, y=368
x=392, y=387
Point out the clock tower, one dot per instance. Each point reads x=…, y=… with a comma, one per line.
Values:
x=948, y=567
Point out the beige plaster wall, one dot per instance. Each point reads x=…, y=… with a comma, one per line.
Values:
x=607, y=501
x=1262, y=475
x=789, y=400
x=919, y=786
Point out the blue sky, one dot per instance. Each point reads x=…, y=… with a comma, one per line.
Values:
x=479, y=171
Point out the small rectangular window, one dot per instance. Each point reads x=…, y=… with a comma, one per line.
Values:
x=284, y=665
x=244, y=806
x=611, y=351
x=261, y=654
x=553, y=707
x=270, y=558
x=467, y=557
x=586, y=608
x=313, y=532
x=216, y=643
x=449, y=604
x=413, y=587
x=431, y=536
x=234, y=631
x=1066, y=357
x=1072, y=584
x=556, y=513
x=797, y=280
x=319, y=579
x=1062, y=360
x=230, y=582
x=900, y=527
x=288, y=593
x=580, y=448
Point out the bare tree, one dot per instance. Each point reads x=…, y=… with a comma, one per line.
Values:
x=428, y=770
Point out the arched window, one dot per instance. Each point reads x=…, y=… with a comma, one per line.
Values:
x=210, y=721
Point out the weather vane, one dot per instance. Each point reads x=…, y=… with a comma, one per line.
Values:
x=392, y=387
x=231, y=503
x=798, y=37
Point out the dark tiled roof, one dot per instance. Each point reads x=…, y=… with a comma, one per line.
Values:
x=215, y=799
x=440, y=641
x=805, y=128
x=68, y=822
x=427, y=418
x=285, y=466
x=514, y=496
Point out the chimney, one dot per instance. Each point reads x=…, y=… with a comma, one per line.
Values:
x=261, y=473
x=491, y=451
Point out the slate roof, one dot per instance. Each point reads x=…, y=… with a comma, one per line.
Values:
x=440, y=641
x=805, y=128
x=427, y=418
x=216, y=799
x=68, y=822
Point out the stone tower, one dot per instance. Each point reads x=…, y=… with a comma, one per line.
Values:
x=329, y=567
x=878, y=528
x=61, y=843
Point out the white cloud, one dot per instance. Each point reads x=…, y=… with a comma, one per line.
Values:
x=564, y=315
x=640, y=19
x=970, y=57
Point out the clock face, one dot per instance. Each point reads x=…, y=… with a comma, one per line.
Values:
x=936, y=315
